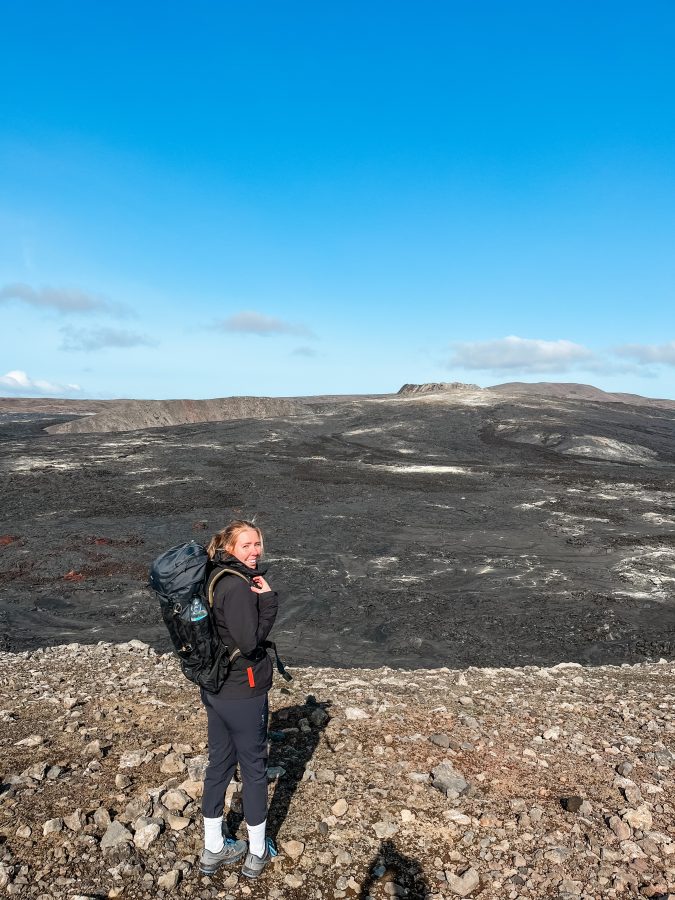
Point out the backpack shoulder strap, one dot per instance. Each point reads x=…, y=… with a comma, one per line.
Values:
x=219, y=574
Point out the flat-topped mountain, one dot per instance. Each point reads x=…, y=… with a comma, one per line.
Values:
x=437, y=387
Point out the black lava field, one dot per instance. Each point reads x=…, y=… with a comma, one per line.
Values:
x=487, y=530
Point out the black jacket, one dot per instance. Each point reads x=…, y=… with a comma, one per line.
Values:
x=244, y=620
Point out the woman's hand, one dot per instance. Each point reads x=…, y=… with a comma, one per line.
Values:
x=259, y=585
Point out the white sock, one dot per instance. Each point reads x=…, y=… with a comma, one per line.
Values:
x=213, y=834
x=256, y=838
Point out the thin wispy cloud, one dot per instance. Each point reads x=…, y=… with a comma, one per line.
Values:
x=90, y=339
x=62, y=300
x=249, y=322
x=648, y=354
x=304, y=351
x=20, y=384
x=516, y=354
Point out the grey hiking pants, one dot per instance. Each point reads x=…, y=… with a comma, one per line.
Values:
x=237, y=733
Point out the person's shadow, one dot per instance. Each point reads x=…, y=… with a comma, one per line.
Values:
x=294, y=733
x=390, y=865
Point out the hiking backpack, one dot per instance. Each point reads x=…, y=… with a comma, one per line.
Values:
x=178, y=577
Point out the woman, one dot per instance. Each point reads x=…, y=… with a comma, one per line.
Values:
x=244, y=608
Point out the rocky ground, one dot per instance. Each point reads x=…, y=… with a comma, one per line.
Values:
x=484, y=783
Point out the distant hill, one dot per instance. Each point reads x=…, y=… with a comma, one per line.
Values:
x=131, y=415
x=573, y=391
x=91, y=416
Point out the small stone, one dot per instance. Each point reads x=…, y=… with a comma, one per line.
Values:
x=52, y=826
x=459, y=818
x=325, y=776
x=34, y=740
x=116, y=835
x=633, y=795
x=354, y=714
x=620, y=829
x=178, y=823
x=640, y=818
x=135, y=644
x=169, y=880
x=447, y=780
x=465, y=884
x=339, y=808
x=441, y=740
x=74, y=821
x=231, y=881
x=294, y=849
x=24, y=831
x=466, y=701
x=407, y=816
x=552, y=734
x=571, y=804
x=172, y=764
x=293, y=880
x=557, y=855
x=146, y=835
x=319, y=717
x=101, y=817
x=625, y=768
x=175, y=800
x=139, y=806
x=196, y=767
x=275, y=772
x=385, y=829
x=122, y=782
x=133, y=758
x=37, y=771
x=93, y=750
x=194, y=789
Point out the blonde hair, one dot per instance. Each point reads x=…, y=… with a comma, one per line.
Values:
x=226, y=538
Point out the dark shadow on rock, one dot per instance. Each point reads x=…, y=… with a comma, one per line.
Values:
x=290, y=750
x=390, y=865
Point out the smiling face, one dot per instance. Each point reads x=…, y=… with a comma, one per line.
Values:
x=247, y=547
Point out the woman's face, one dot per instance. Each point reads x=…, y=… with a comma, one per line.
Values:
x=247, y=548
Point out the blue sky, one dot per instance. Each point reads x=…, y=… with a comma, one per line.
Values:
x=221, y=198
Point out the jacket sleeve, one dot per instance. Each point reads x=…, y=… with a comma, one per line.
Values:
x=268, y=604
x=240, y=611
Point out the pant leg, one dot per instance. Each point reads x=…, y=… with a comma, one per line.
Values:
x=222, y=761
x=247, y=724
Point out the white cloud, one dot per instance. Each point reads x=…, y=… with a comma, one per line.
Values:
x=21, y=384
x=646, y=354
x=102, y=338
x=63, y=300
x=515, y=354
x=249, y=322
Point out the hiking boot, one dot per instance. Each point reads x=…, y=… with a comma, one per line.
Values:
x=254, y=865
x=232, y=852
